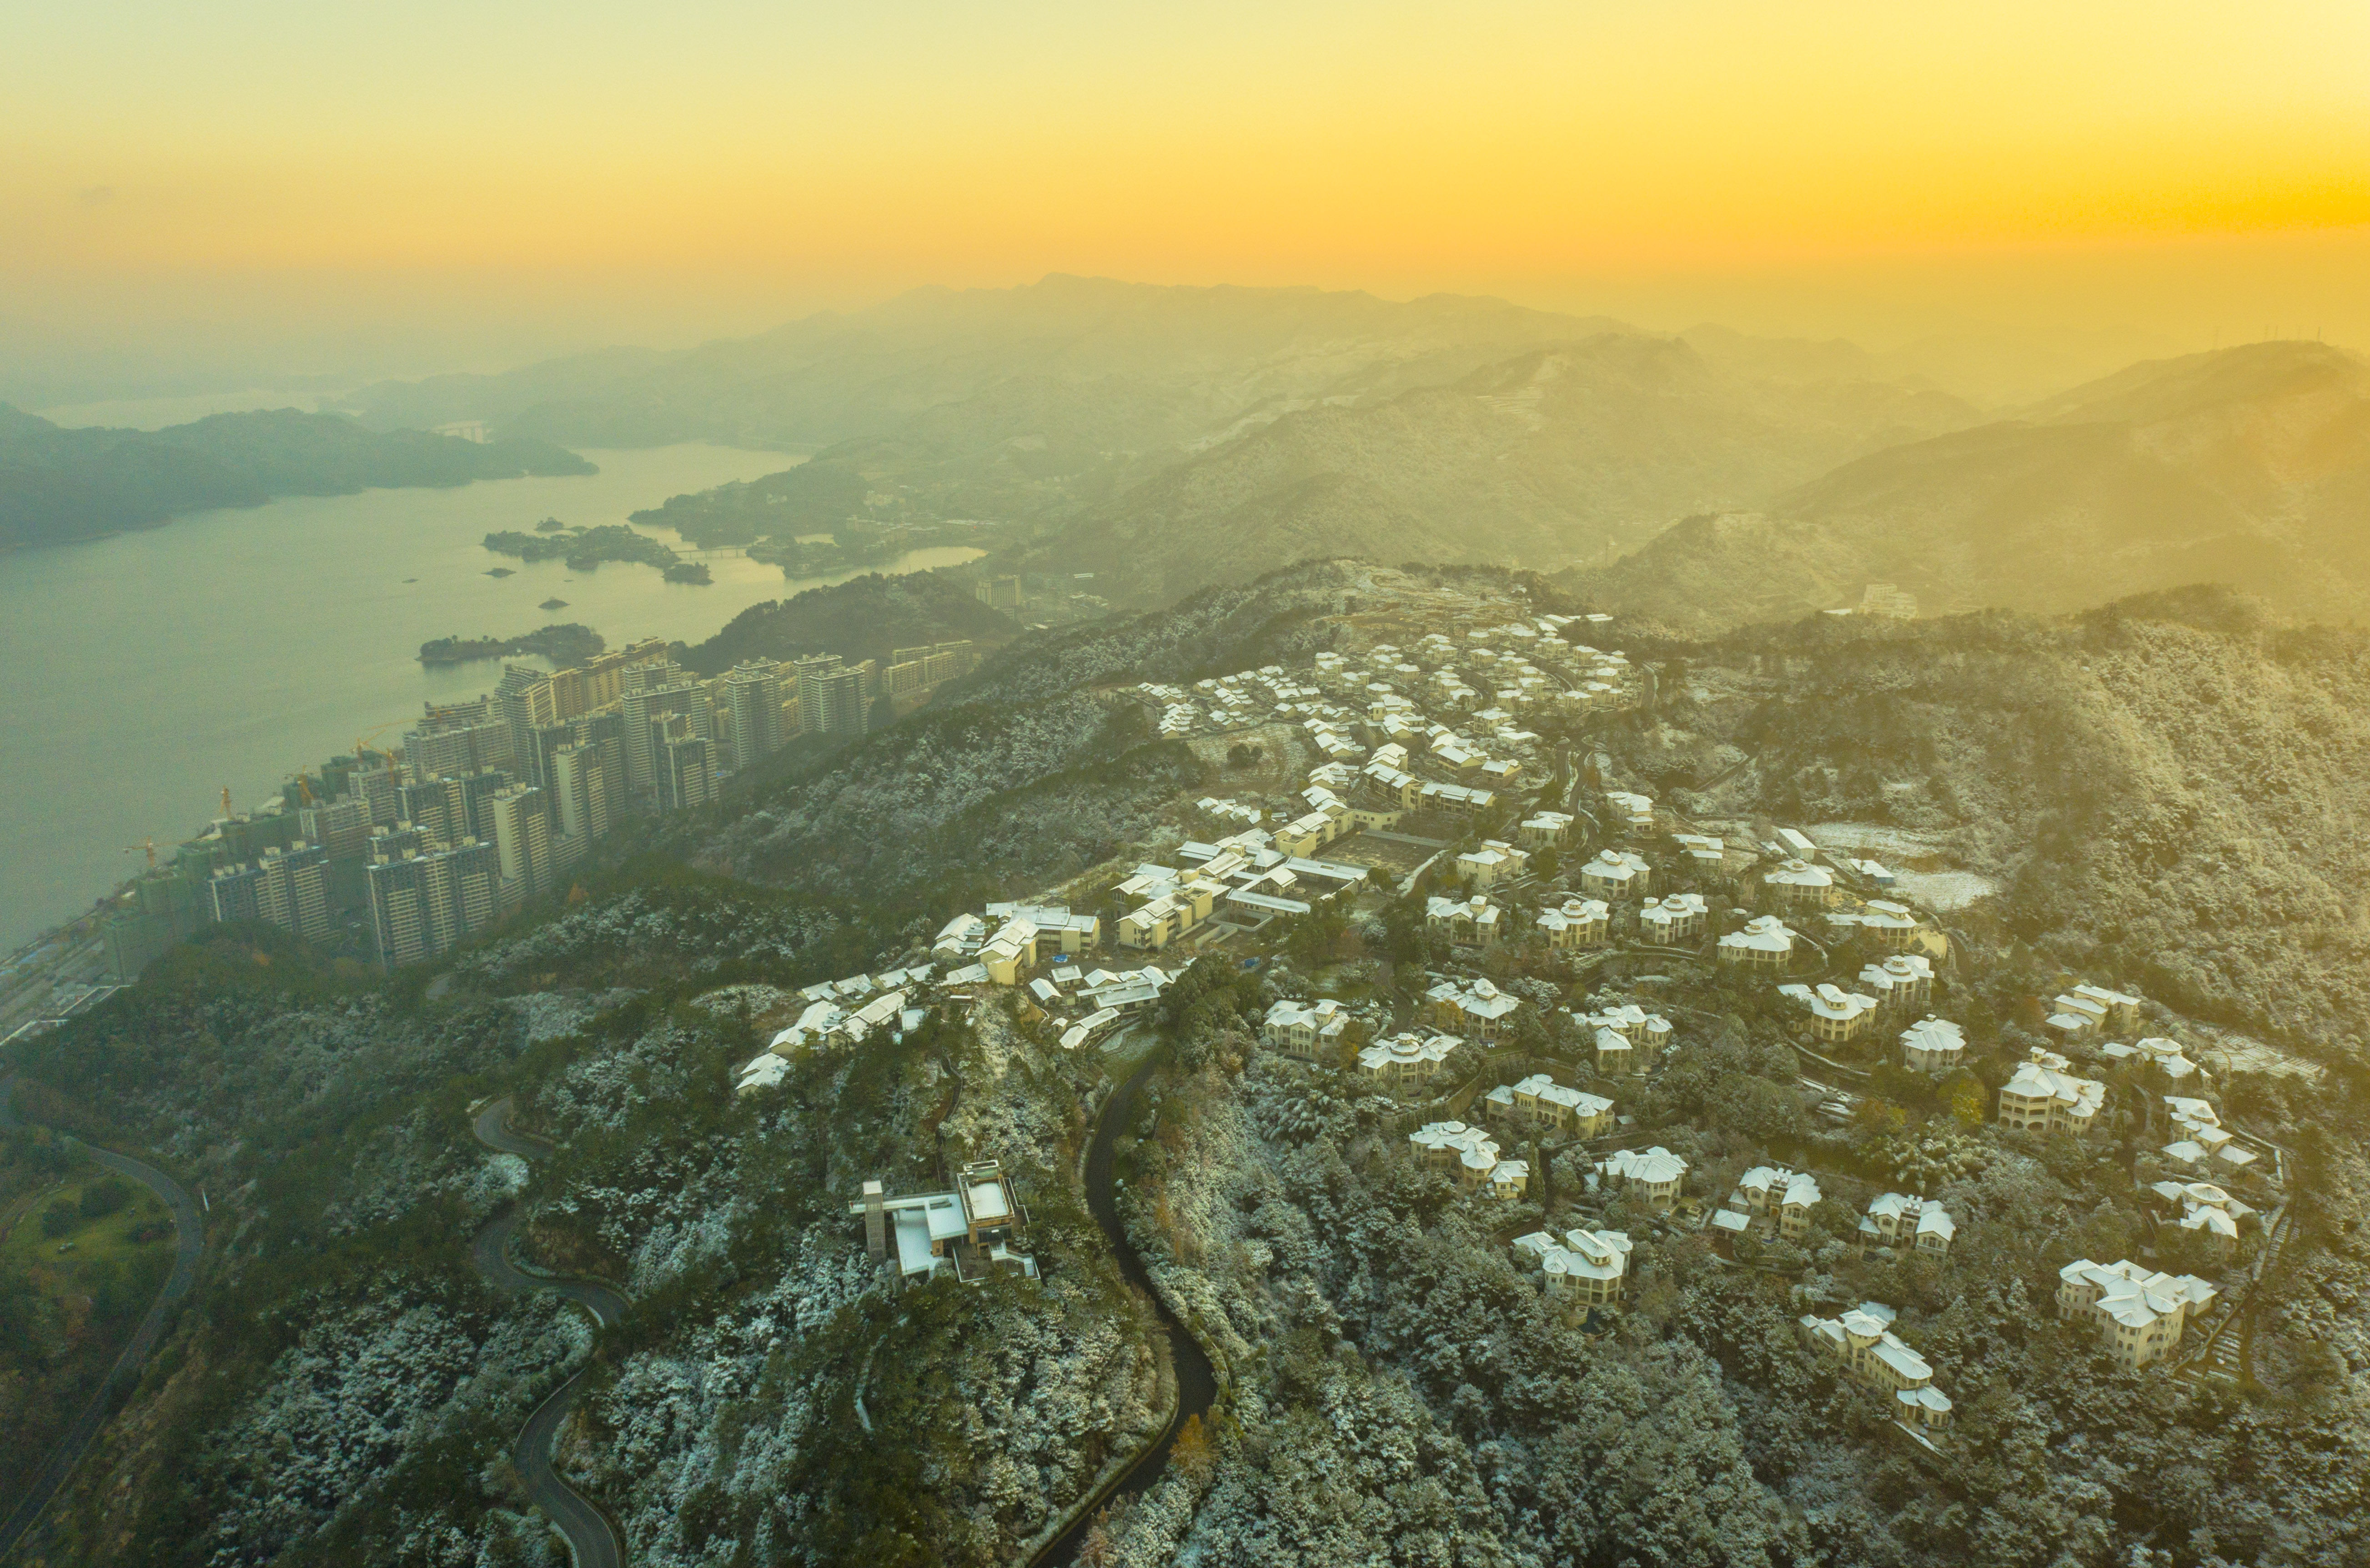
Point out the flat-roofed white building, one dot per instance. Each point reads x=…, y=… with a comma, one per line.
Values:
x=2046, y=1097
x=2139, y=1313
x=1577, y=923
x=970, y=1232
x=1933, y=1046
x=1059, y=928
x=1764, y=942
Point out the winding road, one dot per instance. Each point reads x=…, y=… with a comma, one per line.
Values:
x=1197, y=1385
x=188, y=1227
x=591, y=1540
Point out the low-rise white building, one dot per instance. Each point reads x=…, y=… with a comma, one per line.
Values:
x=1405, y=1061
x=1902, y=982
x=1463, y=922
x=1587, y=1268
x=1475, y=1009
x=1545, y=830
x=2204, y=1209
x=1887, y=924
x=2046, y=1097
x=1652, y=1176
x=1776, y=1201
x=1798, y=885
x=2159, y=1055
x=1470, y=1155
x=1676, y=919
x=1540, y=1102
x=1577, y=923
x=1615, y=873
x=1495, y=861
x=1835, y=1016
x=1312, y=1031
x=1908, y=1224
x=970, y=1232
x=1862, y=1346
x=2139, y=1313
x=1764, y=942
x=1933, y=1046
x=2088, y=1013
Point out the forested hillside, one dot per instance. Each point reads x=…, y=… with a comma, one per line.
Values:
x=57, y=485
x=2249, y=466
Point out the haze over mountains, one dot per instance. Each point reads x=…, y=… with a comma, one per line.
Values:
x=2249, y=466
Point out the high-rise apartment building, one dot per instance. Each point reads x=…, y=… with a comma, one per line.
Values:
x=811, y=673
x=341, y=827
x=580, y=792
x=753, y=695
x=425, y=902
x=521, y=843
x=375, y=783
x=235, y=893
x=293, y=889
x=689, y=773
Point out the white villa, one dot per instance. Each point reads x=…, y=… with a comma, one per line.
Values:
x=2046, y=1097
x=1494, y=862
x=1776, y=1201
x=1907, y=1225
x=2202, y=1207
x=1476, y=1007
x=1888, y=924
x=1466, y=922
x=1800, y=885
x=1652, y=1176
x=1615, y=873
x=1578, y=923
x=1471, y=1156
x=2140, y=1313
x=1540, y=1102
x=1765, y=941
x=1313, y=1031
x=2089, y=1011
x=1404, y=1061
x=968, y=1233
x=1545, y=830
x=2205, y=1142
x=1672, y=920
x=1933, y=1046
x=1836, y=1016
x=2157, y=1054
x=1587, y=1268
x=1864, y=1348
x=1900, y=982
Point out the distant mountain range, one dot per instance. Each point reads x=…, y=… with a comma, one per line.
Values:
x=2250, y=467
x=59, y=484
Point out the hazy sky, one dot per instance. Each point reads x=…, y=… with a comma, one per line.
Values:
x=442, y=182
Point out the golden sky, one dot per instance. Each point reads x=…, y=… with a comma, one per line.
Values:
x=641, y=171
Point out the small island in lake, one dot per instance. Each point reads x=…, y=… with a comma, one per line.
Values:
x=585, y=548
x=500, y=572
x=689, y=572
x=553, y=604
x=569, y=644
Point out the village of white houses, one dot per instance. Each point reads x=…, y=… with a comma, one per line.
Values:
x=1383, y=1065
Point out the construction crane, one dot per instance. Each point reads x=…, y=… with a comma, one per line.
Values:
x=227, y=813
x=304, y=782
x=148, y=845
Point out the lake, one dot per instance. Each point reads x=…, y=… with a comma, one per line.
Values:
x=232, y=647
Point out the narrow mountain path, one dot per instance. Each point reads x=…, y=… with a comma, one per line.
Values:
x=188, y=1227
x=1196, y=1384
x=589, y=1537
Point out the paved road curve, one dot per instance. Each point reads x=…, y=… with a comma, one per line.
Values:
x=1197, y=1386
x=190, y=1227
x=590, y=1539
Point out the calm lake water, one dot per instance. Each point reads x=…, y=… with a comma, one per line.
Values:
x=232, y=647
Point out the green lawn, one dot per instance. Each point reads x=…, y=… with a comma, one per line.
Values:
x=61, y=1266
